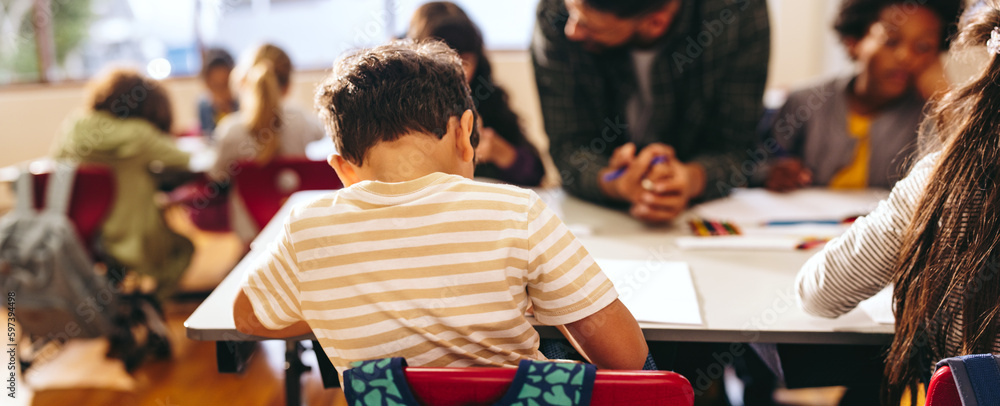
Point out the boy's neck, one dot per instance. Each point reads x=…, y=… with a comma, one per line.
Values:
x=408, y=158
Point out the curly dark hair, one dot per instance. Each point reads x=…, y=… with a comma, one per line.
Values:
x=216, y=58
x=857, y=16
x=127, y=94
x=380, y=94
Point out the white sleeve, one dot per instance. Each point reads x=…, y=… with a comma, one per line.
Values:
x=859, y=264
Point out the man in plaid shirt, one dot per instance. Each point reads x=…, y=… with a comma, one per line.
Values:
x=652, y=103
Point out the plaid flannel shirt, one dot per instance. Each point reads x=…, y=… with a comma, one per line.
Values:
x=707, y=85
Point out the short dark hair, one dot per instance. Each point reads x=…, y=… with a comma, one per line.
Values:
x=857, y=16
x=125, y=93
x=380, y=94
x=216, y=58
x=627, y=8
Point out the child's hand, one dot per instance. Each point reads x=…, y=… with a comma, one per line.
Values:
x=495, y=149
x=788, y=174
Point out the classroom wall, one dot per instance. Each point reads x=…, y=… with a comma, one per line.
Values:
x=804, y=49
x=31, y=116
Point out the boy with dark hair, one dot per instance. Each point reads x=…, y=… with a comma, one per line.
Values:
x=219, y=101
x=412, y=259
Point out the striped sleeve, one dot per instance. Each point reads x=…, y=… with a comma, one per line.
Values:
x=859, y=264
x=564, y=283
x=272, y=286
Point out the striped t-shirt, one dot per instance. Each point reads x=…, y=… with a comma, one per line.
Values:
x=439, y=270
x=859, y=264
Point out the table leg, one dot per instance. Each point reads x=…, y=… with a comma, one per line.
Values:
x=294, y=368
x=233, y=356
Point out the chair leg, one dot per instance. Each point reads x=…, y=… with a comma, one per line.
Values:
x=294, y=368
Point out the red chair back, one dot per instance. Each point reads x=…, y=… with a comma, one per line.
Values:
x=942, y=390
x=485, y=386
x=90, y=202
x=265, y=188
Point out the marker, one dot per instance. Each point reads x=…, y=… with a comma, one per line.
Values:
x=699, y=228
x=811, y=243
x=718, y=228
x=621, y=171
x=733, y=230
x=798, y=222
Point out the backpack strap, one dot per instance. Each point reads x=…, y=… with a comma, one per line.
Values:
x=60, y=188
x=984, y=375
x=547, y=383
x=25, y=190
x=378, y=382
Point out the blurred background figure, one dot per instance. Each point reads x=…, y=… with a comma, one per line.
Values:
x=131, y=134
x=219, y=101
x=265, y=127
x=504, y=152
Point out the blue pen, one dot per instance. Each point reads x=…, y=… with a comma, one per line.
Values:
x=798, y=222
x=621, y=171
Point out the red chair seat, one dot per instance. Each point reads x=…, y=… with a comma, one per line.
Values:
x=90, y=202
x=485, y=386
x=943, y=391
x=264, y=189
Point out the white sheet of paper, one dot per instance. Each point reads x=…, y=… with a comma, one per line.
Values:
x=736, y=242
x=655, y=291
x=879, y=307
x=749, y=207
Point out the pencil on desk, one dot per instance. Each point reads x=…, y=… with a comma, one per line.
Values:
x=811, y=243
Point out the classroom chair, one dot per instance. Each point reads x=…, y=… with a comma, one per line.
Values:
x=463, y=386
x=90, y=202
x=965, y=380
x=264, y=189
x=486, y=386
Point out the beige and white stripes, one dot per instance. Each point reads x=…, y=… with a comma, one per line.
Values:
x=438, y=270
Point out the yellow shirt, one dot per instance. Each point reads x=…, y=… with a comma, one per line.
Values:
x=921, y=396
x=855, y=174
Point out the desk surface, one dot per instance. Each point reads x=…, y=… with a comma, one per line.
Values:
x=745, y=296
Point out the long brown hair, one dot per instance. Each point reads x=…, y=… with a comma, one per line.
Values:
x=267, y=81
x=949, y=254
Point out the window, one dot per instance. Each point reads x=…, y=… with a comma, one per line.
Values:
x=165, y=37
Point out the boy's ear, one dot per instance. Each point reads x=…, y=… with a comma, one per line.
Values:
x=466, y=124
x=345, y=170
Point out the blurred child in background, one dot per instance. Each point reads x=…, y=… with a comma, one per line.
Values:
x=131, y=134
x=265, y=127
x=504, y=152
x=858, y=131
x=219, y=101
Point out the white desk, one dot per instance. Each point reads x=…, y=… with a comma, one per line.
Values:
x=744, y=296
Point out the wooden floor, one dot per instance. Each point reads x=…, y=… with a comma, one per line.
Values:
x=191, y=378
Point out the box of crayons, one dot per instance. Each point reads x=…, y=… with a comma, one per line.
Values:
x=707, y=228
